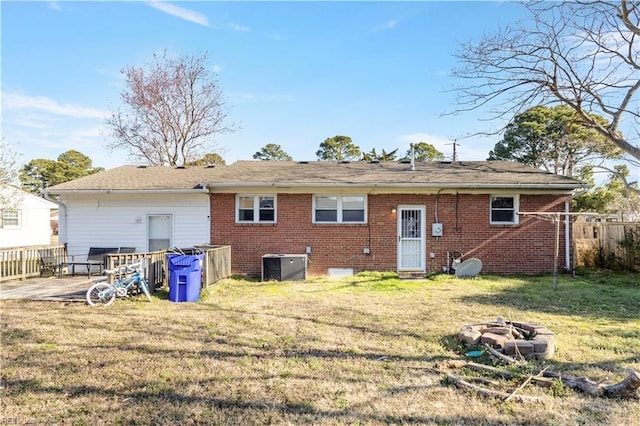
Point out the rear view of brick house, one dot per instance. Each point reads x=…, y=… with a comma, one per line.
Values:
x=390, y=216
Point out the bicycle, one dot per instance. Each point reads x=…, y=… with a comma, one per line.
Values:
x=126, y=278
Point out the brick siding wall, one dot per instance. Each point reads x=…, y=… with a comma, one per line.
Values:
x=527, y=248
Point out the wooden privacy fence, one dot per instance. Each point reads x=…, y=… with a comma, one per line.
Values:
x=20, y=263
x=614, y=245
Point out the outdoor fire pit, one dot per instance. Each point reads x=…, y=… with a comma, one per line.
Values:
x=511, y=338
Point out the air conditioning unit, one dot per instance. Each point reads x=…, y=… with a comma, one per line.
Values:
x=284, y=267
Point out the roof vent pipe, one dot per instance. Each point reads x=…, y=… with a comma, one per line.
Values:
x=413, y=158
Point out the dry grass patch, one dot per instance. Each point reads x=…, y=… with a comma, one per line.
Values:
x=347, y=351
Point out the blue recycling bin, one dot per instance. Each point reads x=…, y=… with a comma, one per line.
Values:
x=185, y=277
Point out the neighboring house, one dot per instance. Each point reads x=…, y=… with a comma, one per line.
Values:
x=390, y=216
x=149, y=208
x=24, y=218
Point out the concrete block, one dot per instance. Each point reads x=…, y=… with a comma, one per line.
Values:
x=469, y=336
x=525, y=347
x=494, y=340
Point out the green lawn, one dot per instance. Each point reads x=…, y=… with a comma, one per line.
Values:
x=352, y=351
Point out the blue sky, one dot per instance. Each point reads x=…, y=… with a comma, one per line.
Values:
x=293, y=73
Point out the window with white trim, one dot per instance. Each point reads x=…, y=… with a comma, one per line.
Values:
x=256, y=209
x=339, y=209
x=10, y=219
x=504, y=209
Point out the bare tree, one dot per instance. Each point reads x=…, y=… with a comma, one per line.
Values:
x=8, y=172
x=8, y=164
x=582, y=54
x=171, y=111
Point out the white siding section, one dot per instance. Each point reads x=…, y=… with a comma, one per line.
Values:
x=35, y=220
x=120, y=220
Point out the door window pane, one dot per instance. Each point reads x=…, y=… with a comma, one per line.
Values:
x=159, y=232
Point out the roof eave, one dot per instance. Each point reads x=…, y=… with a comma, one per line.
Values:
x=225, y=187
x=128, y=191
x=395, y=185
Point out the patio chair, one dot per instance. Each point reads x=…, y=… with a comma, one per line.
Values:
x=50, y=262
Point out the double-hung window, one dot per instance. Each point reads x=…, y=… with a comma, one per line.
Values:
x=504, y=210
x=10, y=219
x=339, y=209
x=256, y=209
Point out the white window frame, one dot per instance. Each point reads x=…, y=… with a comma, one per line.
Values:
x=339, y=209
x=516, y=203
x=3, y=220
x=256, y=208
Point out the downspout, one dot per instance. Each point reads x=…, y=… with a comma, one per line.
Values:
x=62, y=217
x=567, y=236
x=204, y=186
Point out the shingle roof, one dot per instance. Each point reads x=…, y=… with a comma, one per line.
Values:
x=139, y=178
x=463, y=174
x=390, y=173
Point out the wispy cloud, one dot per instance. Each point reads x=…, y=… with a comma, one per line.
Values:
x=216, y=68
x=389, y=25
x=54, y=5
x=18, y=101
x=238, y=27
x=180, y=12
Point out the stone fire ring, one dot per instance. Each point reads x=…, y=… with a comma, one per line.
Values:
x=511, y=338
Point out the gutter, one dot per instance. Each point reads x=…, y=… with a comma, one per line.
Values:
x=394, y=185
x=132, y=191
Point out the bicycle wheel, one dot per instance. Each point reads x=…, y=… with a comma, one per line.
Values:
x=101, y=294
x=145, y=288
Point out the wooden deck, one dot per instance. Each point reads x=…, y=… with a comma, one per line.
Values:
x=66, y=289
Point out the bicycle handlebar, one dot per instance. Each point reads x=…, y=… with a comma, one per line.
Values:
x=124, y=268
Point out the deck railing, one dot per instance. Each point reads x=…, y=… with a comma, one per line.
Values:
x=216, y=264
x=20, y=263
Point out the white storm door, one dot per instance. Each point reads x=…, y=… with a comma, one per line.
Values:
x=159, y=231
x=411, y=239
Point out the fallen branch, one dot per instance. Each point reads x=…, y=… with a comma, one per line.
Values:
x=484, y=380
x=519, y=388
x=489, y=392
x=503, y=357
x=627, y=388
x=540, y=381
